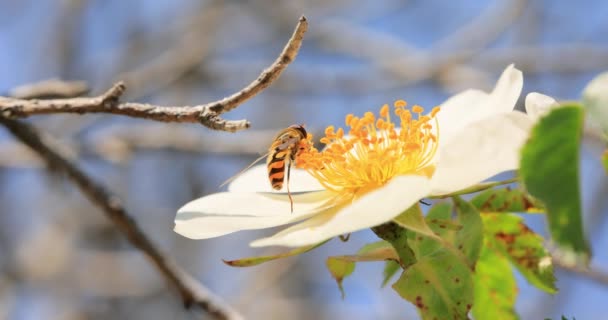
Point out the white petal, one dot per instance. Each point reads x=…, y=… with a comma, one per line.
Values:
x=222, y=213
x=256, y=180
x=372, y=209
x=538, y=104
x=473, y=105
x=595, y=99
x=480, y=151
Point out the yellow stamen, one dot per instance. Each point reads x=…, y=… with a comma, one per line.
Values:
x=374, y=151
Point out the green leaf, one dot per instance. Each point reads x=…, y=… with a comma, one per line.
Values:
x=549, y=168
x=495, y=287
x=376, y=251
x=390, y=269
x=340, y=269
x=412, y=219
x=438, y=219
x=253, y=261
x=469, y=239
x=508, y=234
x=342, y=266
x=506, y=200
x=441, y=210
x=439, y=284
x=397, y=237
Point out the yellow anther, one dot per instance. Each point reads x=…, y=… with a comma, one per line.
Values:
x=340, y=133
x=384, y=111
x=412, y=146
x=349, y=118
x=373, y=152
x=434, y=111
x=400, y=104
x=423, y=119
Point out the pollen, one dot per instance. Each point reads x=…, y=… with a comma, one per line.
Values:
x=376, y=148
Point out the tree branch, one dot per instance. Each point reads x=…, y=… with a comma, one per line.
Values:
x=207, y=114
x=50, y=89
x=191, y=291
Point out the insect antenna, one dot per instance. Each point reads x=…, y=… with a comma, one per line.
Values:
x=243, y=171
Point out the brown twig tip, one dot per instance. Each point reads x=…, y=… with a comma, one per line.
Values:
x=295, y=42
x=117, y=90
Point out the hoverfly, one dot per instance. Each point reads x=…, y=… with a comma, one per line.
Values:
x=283, y=151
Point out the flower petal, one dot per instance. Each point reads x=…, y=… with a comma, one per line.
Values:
x=372, y=209
x=595, y=100
x=222, y=213
x=480, y=151
x=473, y=105
x=538, y=104
x=256, y=180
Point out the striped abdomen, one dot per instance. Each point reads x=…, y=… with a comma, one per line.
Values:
x=276, y=167
x=283, y=153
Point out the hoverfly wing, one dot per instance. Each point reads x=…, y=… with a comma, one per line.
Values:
x=287, y=143
x=243, y=170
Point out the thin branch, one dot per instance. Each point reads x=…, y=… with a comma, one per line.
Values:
x=191, y=291
x=207, y=114
x=50, y=89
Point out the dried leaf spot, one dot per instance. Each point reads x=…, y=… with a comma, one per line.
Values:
x=419, y=303
x=507, y=238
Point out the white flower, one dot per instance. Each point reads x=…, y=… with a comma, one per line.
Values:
x=538, y=105
x=374, y=173
x=595, y=98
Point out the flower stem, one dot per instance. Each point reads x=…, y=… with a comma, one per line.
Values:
x=476, y=188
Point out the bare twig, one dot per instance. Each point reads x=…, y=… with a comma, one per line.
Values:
x=207, y=114
x=50, y=89
x=191, y=291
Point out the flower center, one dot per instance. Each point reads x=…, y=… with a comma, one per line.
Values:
x=374, y=150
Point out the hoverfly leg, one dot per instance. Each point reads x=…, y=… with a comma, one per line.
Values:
x=289, y=192
x=344, y=237
x=424, y=202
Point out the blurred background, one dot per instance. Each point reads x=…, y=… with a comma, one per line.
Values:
x=61, y=259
